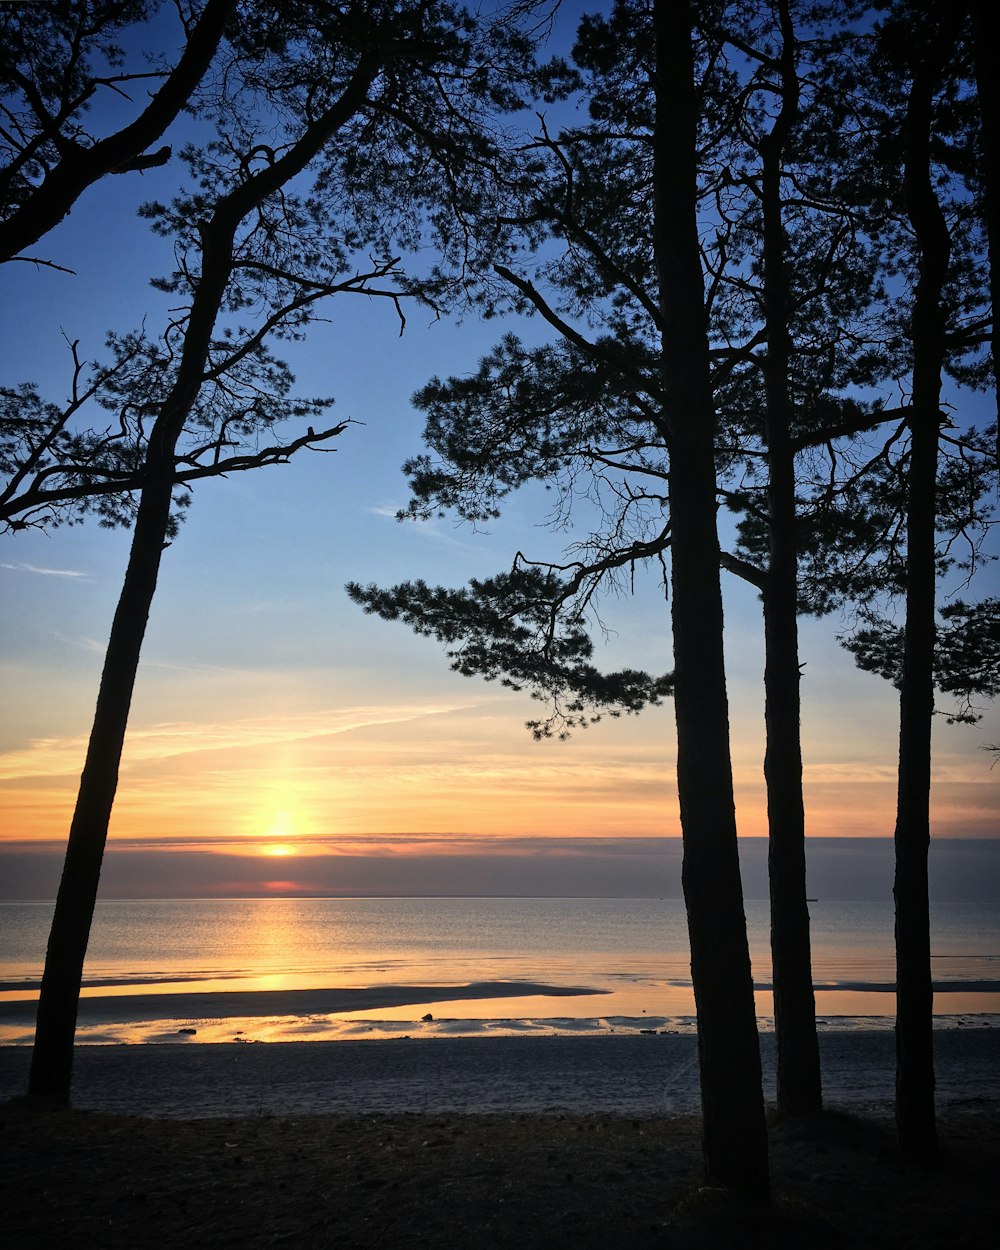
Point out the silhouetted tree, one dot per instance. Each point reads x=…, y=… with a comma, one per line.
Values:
x=914, y=989
x=942, y=293
x=341, y=107
x=623, y=195
x=734, y=1132
x=985, y=38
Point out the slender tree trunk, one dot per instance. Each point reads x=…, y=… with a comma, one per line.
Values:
x=735, y=1138
x=915, y=1120
x=798, y=1069
x=986, y=39
x=52, y=1056
x=799, y=1084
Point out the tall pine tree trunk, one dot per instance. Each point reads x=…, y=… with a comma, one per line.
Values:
x=735, y=1139
x=799, y=1084
x=915, y=1119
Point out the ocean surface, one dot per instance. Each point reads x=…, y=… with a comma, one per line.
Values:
x=456, y=966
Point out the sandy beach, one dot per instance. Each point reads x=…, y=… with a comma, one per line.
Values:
x=620, y=1075
x=480, y=1142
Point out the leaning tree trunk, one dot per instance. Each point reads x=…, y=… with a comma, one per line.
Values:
x=915, y=1119
x=799, y=1084
x=52, y=1056
x=735, y=1138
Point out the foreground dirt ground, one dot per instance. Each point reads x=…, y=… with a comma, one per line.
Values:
x=77, y=1179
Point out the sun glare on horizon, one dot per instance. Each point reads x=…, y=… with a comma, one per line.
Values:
x=280, y=831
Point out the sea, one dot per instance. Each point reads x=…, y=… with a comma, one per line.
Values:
x=459, y=966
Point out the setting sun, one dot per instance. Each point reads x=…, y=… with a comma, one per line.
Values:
x=278, y=849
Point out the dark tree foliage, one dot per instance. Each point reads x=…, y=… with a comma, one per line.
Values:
x=966, y=654
x=507, y=628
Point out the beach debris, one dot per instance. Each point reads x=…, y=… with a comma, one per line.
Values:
x=187, y=1030
x=427, y=1017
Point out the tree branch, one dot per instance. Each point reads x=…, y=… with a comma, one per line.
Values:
x=80, y=168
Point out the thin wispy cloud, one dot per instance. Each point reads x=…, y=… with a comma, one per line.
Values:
x=93, y=645
x=433, y=528
x=199, y=668
x=43, y=572
x=58, y=757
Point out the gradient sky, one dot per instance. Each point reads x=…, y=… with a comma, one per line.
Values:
x=272, y=714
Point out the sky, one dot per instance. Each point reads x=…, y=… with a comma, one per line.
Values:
x=281, y=741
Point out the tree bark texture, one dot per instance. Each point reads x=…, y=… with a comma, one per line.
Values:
x=52, y=1058
x=915, y=1117
x=799, y=1083
x=735, y=1141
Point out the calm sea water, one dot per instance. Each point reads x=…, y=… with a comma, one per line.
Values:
x=633, y=950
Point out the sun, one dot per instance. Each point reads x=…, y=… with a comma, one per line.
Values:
x=278, y=850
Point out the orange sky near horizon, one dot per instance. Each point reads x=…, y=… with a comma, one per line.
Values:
x=305, y=780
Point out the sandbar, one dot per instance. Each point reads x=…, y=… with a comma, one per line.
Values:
x=232, y=1004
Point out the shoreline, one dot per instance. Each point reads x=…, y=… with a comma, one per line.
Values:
x=628, y=1075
